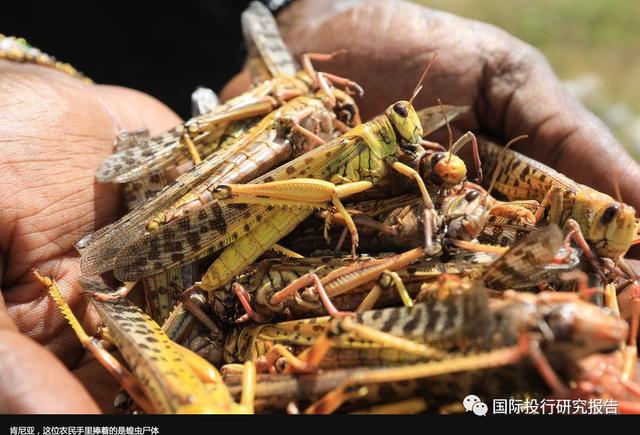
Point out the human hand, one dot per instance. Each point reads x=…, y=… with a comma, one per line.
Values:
x=509, y=84
x=54, y=131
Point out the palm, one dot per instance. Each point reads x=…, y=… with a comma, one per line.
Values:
x=50, y=198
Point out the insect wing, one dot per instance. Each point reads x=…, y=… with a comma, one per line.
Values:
x=432, y=117
x=100, y=249
x=147, y=157
x=527, y=258
x=217, y=224
x=264, y=43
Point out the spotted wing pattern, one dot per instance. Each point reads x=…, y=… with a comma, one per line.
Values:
x=217, y=224
x=527, y=258
x=264, y=42
x=100, y=248
x=146, y=158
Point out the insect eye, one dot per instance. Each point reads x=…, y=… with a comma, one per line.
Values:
x=471, y=195
x=436, y=158
x=609, y=214
x=401, y=110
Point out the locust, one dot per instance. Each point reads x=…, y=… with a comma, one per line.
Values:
x=507, y=269
x=294, y=288
x=613, y=376
x=271, y=141
x=467, y=214
x=354, y=161
x=277, y=290
x=195, y=138
x=164, y=377
x=525, y=344
x=262, y=33
x=161, y=291
x=462, y=214
x=610, y=226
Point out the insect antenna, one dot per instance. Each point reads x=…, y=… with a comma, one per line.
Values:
x=418, y=87
x=449, y=132
x=616, y=187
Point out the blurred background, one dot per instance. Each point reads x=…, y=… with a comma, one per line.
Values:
x=167, y=49
x=593, y=45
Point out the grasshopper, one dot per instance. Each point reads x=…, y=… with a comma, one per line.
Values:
x=262, y=33
x=194, y=138
x=299, y=331
x=271, y=141
x=276, y=290
x=165, y=377
x=609, y=225
x=462, y=214
x=466, y=214
x=359, y=158
x=494, y=361
x=162, y=289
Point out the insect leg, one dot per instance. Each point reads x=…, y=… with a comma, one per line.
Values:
x=387, y=340
x=195, y=155
x=478, y=247
x=248, y=387
x=352, y=87
x=194, y=308
x=412, y=173
x=354, y=385
x=514, y=212
x=286, y=252
x=575, y=234
x=554, y=200
x=244, y=299
x=307, y=362
x=370, y=300
x=387, y=279
x=124, y=377
x=120, y=293
x=435, y=146
x=299, y=192
x=532, y=347
x=201, y=367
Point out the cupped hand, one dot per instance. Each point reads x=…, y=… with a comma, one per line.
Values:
x=54, y=131
x=509, y=84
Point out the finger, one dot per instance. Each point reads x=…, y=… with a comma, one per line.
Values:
x=522, y=95
x=133, y=110
x=237, y=85
x=99, y=384
x=34, y=381
x=38, y=316
x=509, y=84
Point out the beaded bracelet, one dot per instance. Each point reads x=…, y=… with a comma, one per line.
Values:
x=18, y=50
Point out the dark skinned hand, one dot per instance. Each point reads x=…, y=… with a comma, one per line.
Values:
x=55, y=130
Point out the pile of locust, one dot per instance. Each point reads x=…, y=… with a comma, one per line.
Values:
x=306, y=261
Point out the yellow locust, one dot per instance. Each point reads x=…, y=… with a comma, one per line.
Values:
x=347, y=164
x=164, y=377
